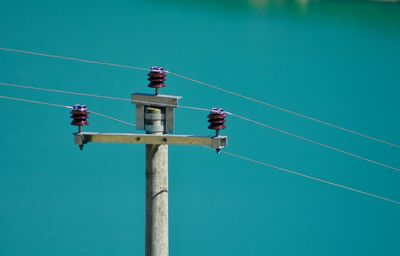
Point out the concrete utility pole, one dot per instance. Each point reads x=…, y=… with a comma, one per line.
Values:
x=155, y=115
x=156, y=188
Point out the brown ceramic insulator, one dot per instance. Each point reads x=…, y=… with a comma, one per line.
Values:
x=79, y=115
x=216, y=118
x=157, y=77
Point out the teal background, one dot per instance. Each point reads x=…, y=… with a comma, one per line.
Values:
x=334, y=60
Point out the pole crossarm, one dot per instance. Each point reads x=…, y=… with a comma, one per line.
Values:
x=217, y=142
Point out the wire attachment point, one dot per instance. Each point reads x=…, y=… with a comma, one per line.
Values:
x=157, y=77
x=79, y=115
x=216, y=118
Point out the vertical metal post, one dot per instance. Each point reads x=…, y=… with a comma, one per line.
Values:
x=156, y=186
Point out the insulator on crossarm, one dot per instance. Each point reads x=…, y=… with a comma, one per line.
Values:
x=216, y=118
x=157, y=77
x=79, y=115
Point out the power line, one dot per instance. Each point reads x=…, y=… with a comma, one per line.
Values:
x=226, y=153
x=203, y=109
x=95, y=96
x=286, y=110
x=212, y=87
x=112, y=118
x=311, y=177
x=62, y=106
x=35, y=102
x=316, y=142
x=73, y=59
x=294, y=113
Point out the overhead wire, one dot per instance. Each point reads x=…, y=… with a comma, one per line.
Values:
x=97, y=96
x=204, y=109
x=65, y=107
x=311, y=177
x=286, y=110
x=315, y=142
x=112, y=118
x=226, y=153
x=73, y=59
x=260, y=102
x=35, y=102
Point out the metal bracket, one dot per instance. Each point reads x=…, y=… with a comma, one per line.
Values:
x=217, y=142
x=167, y=102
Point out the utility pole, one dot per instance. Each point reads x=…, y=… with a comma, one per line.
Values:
x=154, y=115
x=156, y=189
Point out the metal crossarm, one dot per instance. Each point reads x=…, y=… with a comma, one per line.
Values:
x=217, y=142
